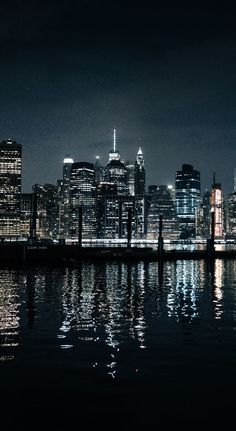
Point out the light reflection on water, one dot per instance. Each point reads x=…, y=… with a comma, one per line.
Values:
x=118, y=305
x=154, y=344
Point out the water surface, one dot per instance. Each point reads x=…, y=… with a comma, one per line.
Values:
x=130, y=346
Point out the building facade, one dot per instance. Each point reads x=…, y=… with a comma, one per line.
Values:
x=161, y=202
x=47, y=220
x=139, y=174
x=187, y=195
x=217, y=208
x=82, y=194
x=10, y=188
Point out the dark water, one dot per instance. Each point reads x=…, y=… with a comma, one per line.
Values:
x=121, y=346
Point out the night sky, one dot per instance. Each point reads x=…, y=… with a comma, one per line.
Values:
x=165, y=77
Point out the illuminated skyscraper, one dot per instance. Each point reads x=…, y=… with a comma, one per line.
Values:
x=187, y=195
x=217, y=207
x=161, y=202
x=47, y=211
x=139, y=174
x=130, y=177
x=82, y=193
x=116, y=172
x=231, y=215
x=64, y=198
x=203, y=222
x=10, y=188
x=114, y=153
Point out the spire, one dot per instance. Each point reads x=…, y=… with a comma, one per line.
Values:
x=139, y=158
x=114, y=140
x=214, y=178
x=114, y=153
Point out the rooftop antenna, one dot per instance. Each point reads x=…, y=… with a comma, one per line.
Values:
x=114, y=140
x=214, y=178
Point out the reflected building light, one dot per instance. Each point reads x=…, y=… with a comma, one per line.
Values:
x=9, y=311
x=217, y=289
x=182, y=300
x=78, y=304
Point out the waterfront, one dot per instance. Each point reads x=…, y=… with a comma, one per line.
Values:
x=116, y=344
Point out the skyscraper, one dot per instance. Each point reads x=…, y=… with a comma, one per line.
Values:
x=114, y=153
x=217, y=208
x=187, y=195
x=82, y=193
x=47, y=211
x=139, y=174
x=161, y=203
x=64, y=198
x=116, y=171
x=203, y=222
x=10, y=188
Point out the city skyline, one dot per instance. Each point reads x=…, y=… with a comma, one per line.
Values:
x=52, y=178
x=73, y=71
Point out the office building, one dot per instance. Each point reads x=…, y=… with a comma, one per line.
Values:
x=187, y=195
x=116, y=172
x=139, y=174
x=115, y=216
x=203, y=220
x=82, y=193
x=217, y=208
x=64, y=199
x=47, y=219
x=10, y=188
x=161, y=202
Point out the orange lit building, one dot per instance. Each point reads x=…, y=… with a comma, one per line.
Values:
x=217, y=208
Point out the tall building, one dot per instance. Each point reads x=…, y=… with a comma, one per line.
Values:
x=10, y=188
x=116, y=172
x=99, y=171
x=217, y=208
x=114, y=153
x=203, y=221
x=139, y=174
x=64, y=198
x=115, y=216
x=130, y=177
x=82, y=193
x=103, y=191
x=161, y=202
x=25, y=214
x=47, y=211
x=187, y=195
x=231, y=216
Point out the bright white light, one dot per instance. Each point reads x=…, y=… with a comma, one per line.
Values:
x=68, y=160
x=170, y=187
